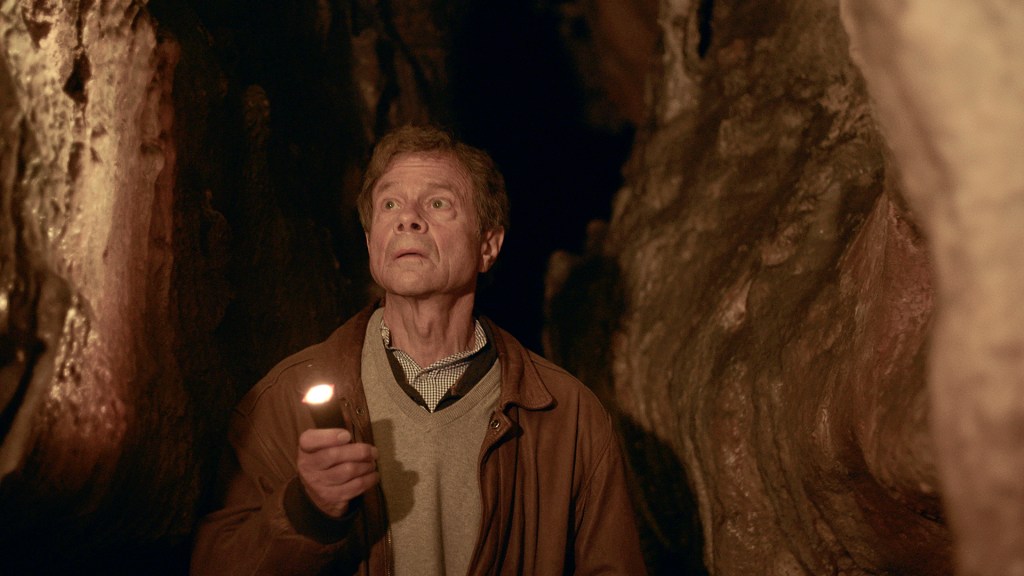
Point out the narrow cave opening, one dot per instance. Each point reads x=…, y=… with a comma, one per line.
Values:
x=516, y=92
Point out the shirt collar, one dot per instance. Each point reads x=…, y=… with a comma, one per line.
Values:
x=479, y=341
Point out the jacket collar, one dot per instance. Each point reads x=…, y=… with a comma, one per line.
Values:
x=347, y=341
x=521, y=385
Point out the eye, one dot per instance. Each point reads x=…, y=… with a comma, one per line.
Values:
x=389, y=204
x=440, y=203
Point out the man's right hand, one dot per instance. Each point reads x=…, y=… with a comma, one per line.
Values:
x=334, y=470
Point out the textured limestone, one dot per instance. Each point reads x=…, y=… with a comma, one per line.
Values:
x=948, y=82
x=87, y=252
x=767, y=300
x=177, y=215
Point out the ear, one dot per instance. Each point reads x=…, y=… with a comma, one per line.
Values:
x=490, y=245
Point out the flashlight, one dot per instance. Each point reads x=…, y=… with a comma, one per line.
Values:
x=324, y=407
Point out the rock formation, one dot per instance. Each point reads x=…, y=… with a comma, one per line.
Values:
x=768, y=294
x=766, y=303
x=177, y=215
x=947, y=79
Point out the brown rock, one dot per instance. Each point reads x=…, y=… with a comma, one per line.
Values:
x=771, y=302
x=174, y=219
x=948, y=80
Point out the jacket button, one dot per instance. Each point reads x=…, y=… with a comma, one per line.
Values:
x=495, y=423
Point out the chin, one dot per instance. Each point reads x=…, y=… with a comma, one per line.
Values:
x=407, y=290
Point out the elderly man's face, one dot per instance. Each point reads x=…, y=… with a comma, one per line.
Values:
x=424, y=238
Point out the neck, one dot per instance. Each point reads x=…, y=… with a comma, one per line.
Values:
x=428, y=330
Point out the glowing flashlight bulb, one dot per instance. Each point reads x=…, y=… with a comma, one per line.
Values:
x=319, y=394
x=324, y=407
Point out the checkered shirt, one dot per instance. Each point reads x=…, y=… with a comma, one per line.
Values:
x=434, y=381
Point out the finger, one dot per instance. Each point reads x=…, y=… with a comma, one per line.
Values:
x=319, y=438
x=334, y=498
x=359, y=452
x=331, y=457
x=355, y=452
x=355, y=487
x=347, y=471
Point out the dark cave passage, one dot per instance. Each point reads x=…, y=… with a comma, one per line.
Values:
x=517, y=94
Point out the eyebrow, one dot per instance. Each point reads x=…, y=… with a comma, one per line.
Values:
x=431, y=184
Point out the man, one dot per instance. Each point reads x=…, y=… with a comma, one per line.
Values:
x=463, y=452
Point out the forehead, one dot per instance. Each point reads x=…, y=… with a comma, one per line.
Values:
x=426, y=171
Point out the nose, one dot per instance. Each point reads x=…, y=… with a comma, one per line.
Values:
x=410, y=220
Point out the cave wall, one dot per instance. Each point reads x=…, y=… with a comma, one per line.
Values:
x=948, y=82
x=766, y=301
x=177, y=214
x=816, y=327
x=90, y=374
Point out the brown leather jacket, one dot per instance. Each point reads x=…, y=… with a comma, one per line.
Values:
x=552, y=483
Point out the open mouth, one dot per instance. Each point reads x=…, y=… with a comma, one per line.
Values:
x=405, y=254
x=402, y=251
